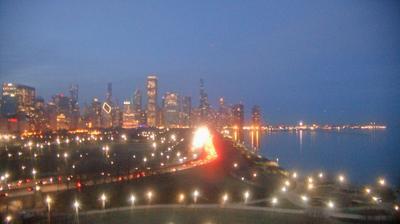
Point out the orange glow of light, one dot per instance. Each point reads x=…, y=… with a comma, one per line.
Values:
x=203, y=139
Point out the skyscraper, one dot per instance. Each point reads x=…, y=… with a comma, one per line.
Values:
x=256, y=117
x=204, y=105
x=152, y=93
x=62, y=112
x=137, y=101
x=107, y=109
x=186, y=111
x=74, y=106
x=128, y=116
x=171, y=109
x=17, y=99
x=238, y=121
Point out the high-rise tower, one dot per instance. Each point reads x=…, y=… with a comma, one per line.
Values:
x=152, y=100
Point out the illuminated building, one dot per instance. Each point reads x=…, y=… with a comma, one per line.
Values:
x=171, y=109
x=140, y=115
x=238, y=121
x=256, y=117
x=94, y=115
x=186, y=111
x=128, y=116
x=256, y=122
x=74, y=106
x=152, y=100
x=107, y=109
x=223, y=115
x=137, y=101
x=204, y=105
x=17, y=98
x=62, y=113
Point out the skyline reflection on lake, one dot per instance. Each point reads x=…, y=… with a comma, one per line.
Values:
x=362, y=155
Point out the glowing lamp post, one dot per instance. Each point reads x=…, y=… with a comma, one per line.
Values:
x=149, y=196
x=195, y=196
x=8, y=219
x=331, y=205
x=48, y=202
x=132, y=199
x=225, y=198
x=274, y=201
x=103, y=199
x=34, y=172
x=76, y=206
x=382, y=182
x=341, y=179
x=246, y=196
x=181, y=198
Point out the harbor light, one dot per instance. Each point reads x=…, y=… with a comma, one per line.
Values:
x=382, y=182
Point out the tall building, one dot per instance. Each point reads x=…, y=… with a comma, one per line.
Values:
x=152, y=91
x=256, y=122
x=186, y=111
x=74, y=106
x=223, y=114
x=171, y=110
x=107, y=109
x=238, y=121
x=256, y=117
x=137, y=101
x=128, y=116
x=17, y=98
x=62, y=112
x=204, y=105
x=94, y=116
x=109, y=92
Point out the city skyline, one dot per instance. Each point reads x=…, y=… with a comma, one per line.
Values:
x=341, y=67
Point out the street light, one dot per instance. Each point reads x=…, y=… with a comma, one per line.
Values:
x=225, y=198
x=331, y=205
x=132, y=199
x=48, y=202
x=382, y=182
x=304, y=198
x=103, y=199
x=274, y=201
x=341, y=179
x=195, y=195
x=34, y=172
x=149, y=196
x=246, y=196
x=8, y=219
x=76, y=205
x=181, y=197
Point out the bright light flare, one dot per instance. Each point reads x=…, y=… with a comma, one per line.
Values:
x=274, y=201
x=203, y=139
x=331, y=205
x=382, y=182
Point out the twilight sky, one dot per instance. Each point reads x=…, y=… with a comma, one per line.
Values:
x=323, y=61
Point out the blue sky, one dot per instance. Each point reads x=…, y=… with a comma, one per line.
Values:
x=324, y=61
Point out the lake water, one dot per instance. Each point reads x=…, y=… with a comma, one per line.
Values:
x=361, y=155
